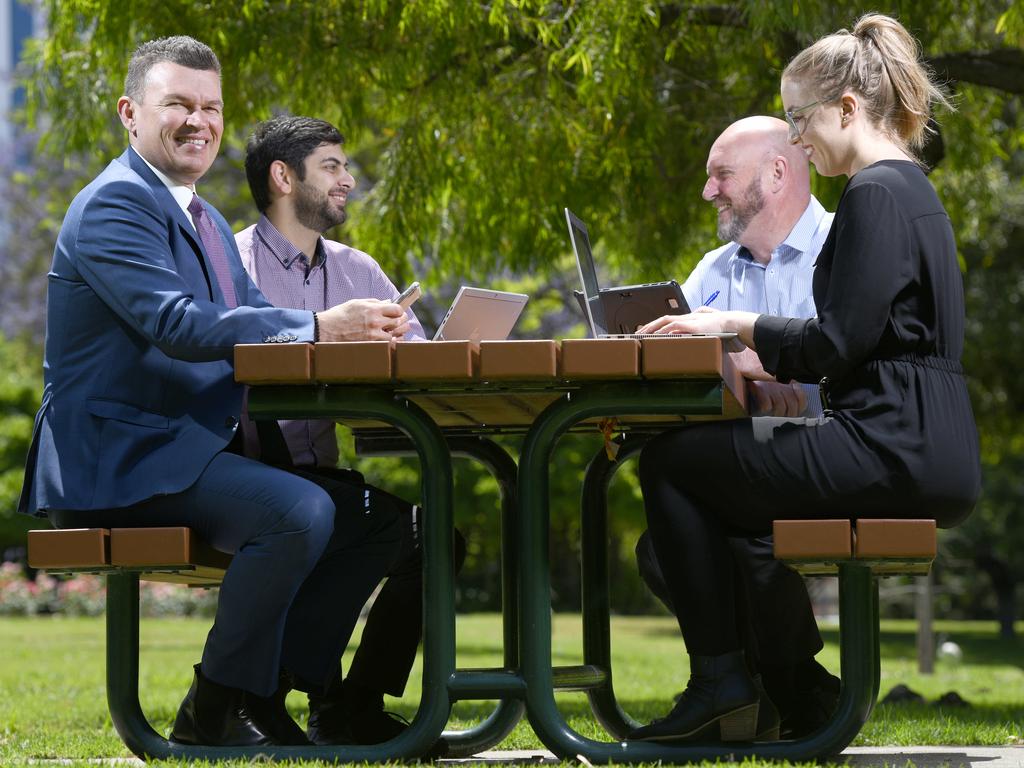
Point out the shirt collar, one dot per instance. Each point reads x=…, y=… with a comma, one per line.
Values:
x=799, y=239
x=182, y=193
x=283, y=249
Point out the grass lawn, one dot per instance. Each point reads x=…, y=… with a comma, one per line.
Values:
x=53, y=704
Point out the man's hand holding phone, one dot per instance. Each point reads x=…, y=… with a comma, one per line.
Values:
x=408, y=296
x=363, y=320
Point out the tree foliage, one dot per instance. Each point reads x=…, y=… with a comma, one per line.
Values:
x=20, y=386
x=472, y=124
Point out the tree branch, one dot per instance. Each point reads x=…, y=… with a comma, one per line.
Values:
x=1002, y=68
x=705, y=15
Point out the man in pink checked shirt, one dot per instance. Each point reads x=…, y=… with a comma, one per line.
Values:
x=299, y=178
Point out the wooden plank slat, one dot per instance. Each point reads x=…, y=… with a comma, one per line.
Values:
x=69, y=548
x=526, y=360
x=168, y=546
x=600, y=359
x=436, y=360
x=670, y=358
x=812, y=539
x=899, y=567
x=445, y=410
x=273, y=363
x=353, y=361
x=734, y=395
x=500, y=409
x=195, y=576
x=697, y=356
x=909, y=539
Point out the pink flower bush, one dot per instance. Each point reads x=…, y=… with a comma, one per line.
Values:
x=20, y=596
x=85, y=595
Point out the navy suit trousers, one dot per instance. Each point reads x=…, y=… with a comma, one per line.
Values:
x=303, y=566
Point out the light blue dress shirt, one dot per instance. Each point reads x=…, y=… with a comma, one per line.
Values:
x=780, y=287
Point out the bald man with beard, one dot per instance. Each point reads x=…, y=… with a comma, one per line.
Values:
x=759, y=184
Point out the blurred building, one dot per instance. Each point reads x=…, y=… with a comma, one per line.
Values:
x=20, y=20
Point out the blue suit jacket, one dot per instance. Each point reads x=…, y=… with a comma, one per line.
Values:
x=139, y=393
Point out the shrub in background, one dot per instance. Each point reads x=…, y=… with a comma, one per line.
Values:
x=85, y=595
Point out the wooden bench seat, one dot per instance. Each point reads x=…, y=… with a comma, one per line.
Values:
x=816, y=547
x=158, y=554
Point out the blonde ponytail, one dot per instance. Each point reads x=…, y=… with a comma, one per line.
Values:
x=881, y=62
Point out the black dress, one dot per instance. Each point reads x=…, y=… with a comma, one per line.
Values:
x=900, y=439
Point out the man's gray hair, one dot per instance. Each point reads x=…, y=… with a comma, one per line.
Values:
x=180, y=49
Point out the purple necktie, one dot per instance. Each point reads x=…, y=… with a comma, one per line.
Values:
x=214, y=245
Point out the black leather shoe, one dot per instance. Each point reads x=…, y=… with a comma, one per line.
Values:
x=271, y=714
x=345, y=715
x=720, y=700
x=329, y=718
x=768, y=721
x=812, y=708
x=377, y=726
x=214, y=715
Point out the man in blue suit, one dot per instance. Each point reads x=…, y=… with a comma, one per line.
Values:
x=139, y=419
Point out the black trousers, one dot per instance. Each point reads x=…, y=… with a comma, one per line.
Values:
x=306, y=557
x=394, y=625
x=708, y=482
x=777, y=625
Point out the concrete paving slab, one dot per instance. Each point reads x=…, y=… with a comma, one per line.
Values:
x=860, y=757
x=935, y=757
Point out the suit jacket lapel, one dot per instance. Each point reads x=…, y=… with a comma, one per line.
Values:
x=177, y=217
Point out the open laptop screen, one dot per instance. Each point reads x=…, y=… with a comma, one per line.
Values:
x=588, y=274
x=481, y=314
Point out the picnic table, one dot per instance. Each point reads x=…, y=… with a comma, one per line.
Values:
x=450, y=398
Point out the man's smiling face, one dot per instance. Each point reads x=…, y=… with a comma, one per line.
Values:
x=321, y=195
x=734, y=185
x=177, y=125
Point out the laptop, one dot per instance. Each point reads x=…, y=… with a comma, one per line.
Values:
x=616, y=313
x=628, y=307
x=480, y=314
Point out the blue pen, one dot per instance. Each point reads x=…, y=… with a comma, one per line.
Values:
x=711, y=298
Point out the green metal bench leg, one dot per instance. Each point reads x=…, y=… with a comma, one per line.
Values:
x=858, y=663
x=480, y=684
x=123, y=666
x=858, y=636
x=597, y=646
x=876, y=624
x=509, y=711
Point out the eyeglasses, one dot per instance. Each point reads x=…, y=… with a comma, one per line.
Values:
x=795, y=131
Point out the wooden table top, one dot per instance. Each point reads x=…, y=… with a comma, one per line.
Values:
x=464, y=383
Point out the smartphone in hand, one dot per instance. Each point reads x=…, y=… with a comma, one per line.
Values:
x=409, y=295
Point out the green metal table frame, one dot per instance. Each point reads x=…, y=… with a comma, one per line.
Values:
x=858, y=596
x=509, y=711
x=441, y=684
x=527, y=680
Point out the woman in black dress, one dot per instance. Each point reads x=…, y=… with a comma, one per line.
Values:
x=899, y=438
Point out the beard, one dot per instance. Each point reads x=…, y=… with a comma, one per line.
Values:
x=314, y=209
x=743, y=212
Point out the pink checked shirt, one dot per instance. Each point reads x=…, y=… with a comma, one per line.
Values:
x=283, y=274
